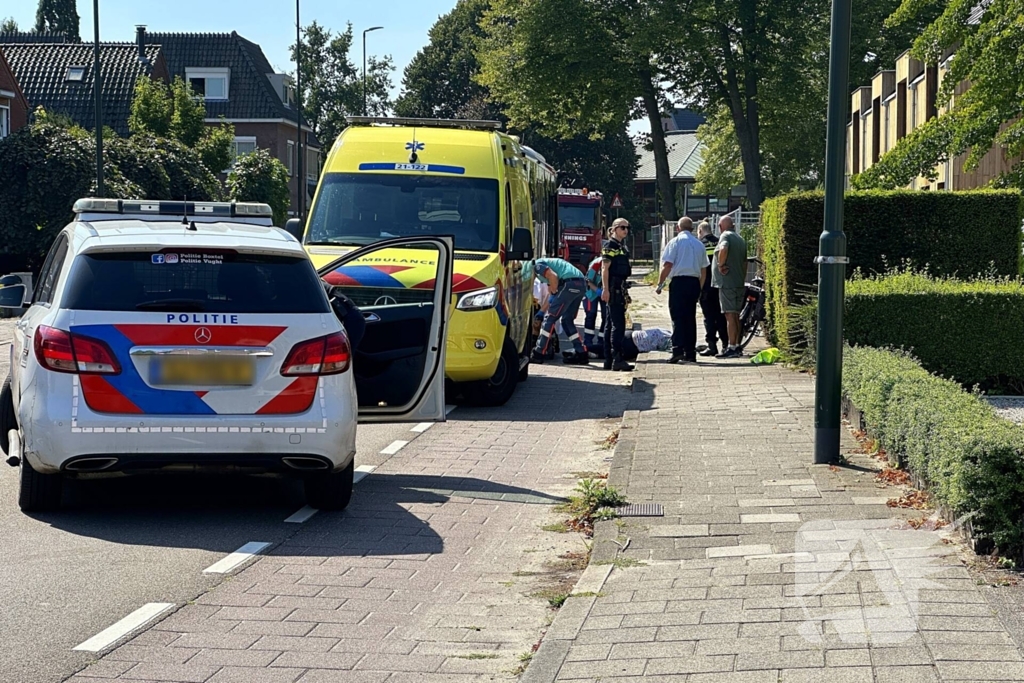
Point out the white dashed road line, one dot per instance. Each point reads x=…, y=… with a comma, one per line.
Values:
x=361, y=472
x=422, y=427
x=237, y=558
x=133, y=621
x=302, y=515
x=394, y=447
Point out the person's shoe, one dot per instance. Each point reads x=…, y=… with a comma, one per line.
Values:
x=537, y=358
x=678, y=358
x=622, y=366
x=607, y=365
x=709, y=351
x=577, y=359
x=731, y=352
x=702, y=347
x=591, y=355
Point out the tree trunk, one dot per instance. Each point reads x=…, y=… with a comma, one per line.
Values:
x=743, y=105
x=663, y=177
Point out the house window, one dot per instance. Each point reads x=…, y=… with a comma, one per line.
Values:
x=312, y=164
x=76, y=74
x=5, y=121
x=291, y=158
x=245, y=144
x=209, y=84
x=913, y=106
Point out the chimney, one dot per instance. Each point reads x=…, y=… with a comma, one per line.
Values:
x=140, y=41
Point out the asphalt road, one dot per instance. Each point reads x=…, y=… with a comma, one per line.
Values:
x=119, y=544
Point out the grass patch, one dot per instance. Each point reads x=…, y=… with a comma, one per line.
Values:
x=558, y=527
x=607, y=444
x=556, y=597
x=592, y=499
x=588, y=594
x=623, y=562
x=651, y=278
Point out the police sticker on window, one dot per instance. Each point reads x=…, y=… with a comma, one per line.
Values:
x=170, y=258
x=157, y=259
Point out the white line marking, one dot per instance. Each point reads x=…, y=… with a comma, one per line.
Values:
x=422, y=427
x=302, y=515
x=237, y=558
x=362, y=472
x=112, y=634
x=394, y=447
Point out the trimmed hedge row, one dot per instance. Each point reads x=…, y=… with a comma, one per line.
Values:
x=969, y=331
x=971, y=460
x=950, y=233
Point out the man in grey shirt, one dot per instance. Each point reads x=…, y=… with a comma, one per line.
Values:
x=729, y=276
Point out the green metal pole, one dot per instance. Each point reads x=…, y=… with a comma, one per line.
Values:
x=832, y=247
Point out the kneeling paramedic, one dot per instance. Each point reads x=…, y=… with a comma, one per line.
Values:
x=567, y=287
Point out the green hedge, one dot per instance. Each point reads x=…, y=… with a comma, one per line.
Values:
x=970, y=460
x=969, y=331
x=952, y=233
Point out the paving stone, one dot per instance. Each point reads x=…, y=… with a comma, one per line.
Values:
x=769, y=518
x=688, y=665
x=860, y=674
x=906, y=674
x=738, y=551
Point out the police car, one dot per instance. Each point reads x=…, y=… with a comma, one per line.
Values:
x=172, y=335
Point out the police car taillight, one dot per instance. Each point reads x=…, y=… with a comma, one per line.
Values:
x=62, y=351
x=328, y=355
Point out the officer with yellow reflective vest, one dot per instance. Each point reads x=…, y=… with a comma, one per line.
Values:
x=615, y=271
x=710, y=308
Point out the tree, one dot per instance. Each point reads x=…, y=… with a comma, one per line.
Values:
x=9, y=25
x=259, y=177
x=990, y=112
x=57, y=16
x=332, y=86
x=176, y=113
x=579, y=67
x=722, y=168
x=440, y=80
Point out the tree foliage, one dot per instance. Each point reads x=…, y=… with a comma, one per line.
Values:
x=439, y=81
x=8, y=25
x=58, y=16
x=46, y=166
x=332, y=85
x=722, y=168
x=988, y=113
x=162, y=111
x=578, y=67
x=259, y=177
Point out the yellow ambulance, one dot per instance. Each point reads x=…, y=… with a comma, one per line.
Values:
x=394, y=178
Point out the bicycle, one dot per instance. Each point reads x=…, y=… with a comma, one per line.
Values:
x=753, y=313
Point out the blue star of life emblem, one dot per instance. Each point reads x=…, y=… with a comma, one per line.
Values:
x=414, y=146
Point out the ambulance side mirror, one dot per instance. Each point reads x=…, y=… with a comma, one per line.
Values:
x=293, y=226
x=522, y=245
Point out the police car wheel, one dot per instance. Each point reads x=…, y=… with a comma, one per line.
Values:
x=497, y=390
x=8, y=420
x=39, y=492
x=331, y=491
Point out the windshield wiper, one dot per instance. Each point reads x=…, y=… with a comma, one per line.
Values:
x=352, y=242
x=191, y=305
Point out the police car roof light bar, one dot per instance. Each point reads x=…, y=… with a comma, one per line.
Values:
x=164, y=207
x=423, y=123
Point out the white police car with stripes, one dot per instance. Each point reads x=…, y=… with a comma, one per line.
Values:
x=168, y=335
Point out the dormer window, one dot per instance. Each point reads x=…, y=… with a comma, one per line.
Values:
x=76, y=74
x=209, y=84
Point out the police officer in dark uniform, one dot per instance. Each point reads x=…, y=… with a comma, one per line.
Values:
x=710, y=308
x=615, y=270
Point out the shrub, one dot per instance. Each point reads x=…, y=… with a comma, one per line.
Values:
x=971, y=460
x=259, y=177
x=952, y=233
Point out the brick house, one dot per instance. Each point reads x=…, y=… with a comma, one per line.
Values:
x=56, y=74
x=236, y=82
x=13, y=106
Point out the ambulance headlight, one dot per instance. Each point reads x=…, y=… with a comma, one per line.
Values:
x=479, y=300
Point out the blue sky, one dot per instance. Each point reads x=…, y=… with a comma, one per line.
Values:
x=271, y=23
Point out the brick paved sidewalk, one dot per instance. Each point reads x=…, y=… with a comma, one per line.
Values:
x=764, y=567
x=436, y=572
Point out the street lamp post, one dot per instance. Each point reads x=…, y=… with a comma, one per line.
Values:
x=97, y=86
x=374, y=28
x=832, y=258
x=300, y=170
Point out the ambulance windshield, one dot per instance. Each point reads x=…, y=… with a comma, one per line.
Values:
x=362, y=208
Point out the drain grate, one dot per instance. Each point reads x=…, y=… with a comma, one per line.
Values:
x=641, y=510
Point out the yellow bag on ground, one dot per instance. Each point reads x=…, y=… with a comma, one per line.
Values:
x=766, y=357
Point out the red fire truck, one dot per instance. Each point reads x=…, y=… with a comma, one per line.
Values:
x=580, y=226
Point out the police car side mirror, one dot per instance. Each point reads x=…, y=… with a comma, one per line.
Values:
x=293, y=226
x=13, y=296
x=522, y=245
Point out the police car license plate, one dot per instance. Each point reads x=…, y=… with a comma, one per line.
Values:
x=203, y=371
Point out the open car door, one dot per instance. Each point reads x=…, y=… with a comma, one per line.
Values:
x=403, y=287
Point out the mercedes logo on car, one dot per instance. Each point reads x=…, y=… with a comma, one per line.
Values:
x=203, y=335
x=385, y=301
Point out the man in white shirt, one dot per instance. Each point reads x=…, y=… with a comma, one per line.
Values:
x=684, y=264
